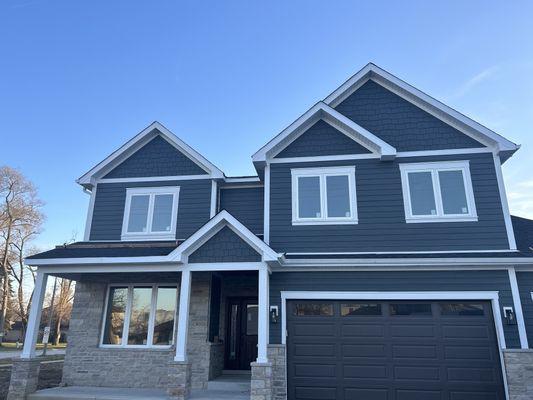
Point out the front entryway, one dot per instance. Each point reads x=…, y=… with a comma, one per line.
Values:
x=241, y=333
x=392, y=350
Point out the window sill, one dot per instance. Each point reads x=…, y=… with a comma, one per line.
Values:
x=135, y=347
x=326, y=222
x=440, y=219
x=155, y=236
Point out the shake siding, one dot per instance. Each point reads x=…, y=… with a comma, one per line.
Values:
x=245, y=204
x=382, y=225
x=394, y=281
x=193, y=207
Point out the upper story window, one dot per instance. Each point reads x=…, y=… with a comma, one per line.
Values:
x=150, y=213
x=323, y=196
x=438, y=192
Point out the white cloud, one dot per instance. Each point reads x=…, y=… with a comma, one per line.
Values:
x=521, y=199
x=476, y=80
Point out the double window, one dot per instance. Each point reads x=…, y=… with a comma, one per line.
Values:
x=150, y=213
x=139, y=316
x=440, y=191
x=323, y=196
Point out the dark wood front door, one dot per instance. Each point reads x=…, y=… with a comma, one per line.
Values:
x=241, y=333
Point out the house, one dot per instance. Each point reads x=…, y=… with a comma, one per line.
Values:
x=372, y=257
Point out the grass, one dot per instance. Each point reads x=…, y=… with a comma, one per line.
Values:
x=13, y=346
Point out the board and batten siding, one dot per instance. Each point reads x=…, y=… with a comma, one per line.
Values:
x=394, y=281
x=245, y=204
x=382, y=225
x=193, y=207
x=525, y=287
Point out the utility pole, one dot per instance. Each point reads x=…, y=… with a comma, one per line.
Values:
x=46, y=334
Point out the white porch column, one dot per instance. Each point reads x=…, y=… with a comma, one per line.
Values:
x=183, y=316
x=34, y=318
x=263, y=316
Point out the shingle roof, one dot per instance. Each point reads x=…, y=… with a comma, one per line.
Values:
x=523, y=231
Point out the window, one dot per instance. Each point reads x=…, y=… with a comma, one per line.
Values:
x=437, y=191
x=461, y=309
x=313, y=309
x=323, y=196
x=139, y=316
x=360, y=309
x=150, y=213
x=418, y=309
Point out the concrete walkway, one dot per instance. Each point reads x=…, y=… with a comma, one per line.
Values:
x=17, y=353
x=98, y=393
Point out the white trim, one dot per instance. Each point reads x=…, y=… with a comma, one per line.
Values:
x=36, y=307
x=397, y=252
x=183, y=316
x=518, y=308
x=96, y=261
x=90, y=211
x=321, y=111
x=263, y=322
x=444, y=152
x=154, y=179
x=420, y=99
x=214, y=225
x=127, y=315
x=242, y=179
x=504, y=202
x=493, y=297
x=266, y=206
x=151, y=192
x=137, y=142
x=409, y=262
x=214, y=192
x=322, y=174
x=340, y=157
x=257, y=185
x=434, y=168
x=227, y=266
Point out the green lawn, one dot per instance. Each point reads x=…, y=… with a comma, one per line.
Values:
x=13, y=346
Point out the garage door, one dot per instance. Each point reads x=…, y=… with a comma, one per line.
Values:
x=375, y=350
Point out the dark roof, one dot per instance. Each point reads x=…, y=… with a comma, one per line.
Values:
x=108, y=249
x=523, y=232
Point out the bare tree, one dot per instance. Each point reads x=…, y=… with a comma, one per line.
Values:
x=64, y=306
x=20, y=216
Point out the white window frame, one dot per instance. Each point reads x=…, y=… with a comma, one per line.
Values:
x=434, y=168
x=322, y=173
x=151, y=322
x=149, y=234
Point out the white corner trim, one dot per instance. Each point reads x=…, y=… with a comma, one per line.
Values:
x=133, y=144
x=90, y=212
x=504, y=202
x=151, y=192
x=434, y=168
x=343, y=124
x=420, y=99
x=518, y=308
x=214, y=225
x=322, y=173
x=214, y=192
x=266, y=206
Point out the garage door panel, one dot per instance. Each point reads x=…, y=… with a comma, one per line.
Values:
x=397, y=353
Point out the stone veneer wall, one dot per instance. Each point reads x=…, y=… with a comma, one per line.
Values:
x=49, y=376
x=519, y=369
x=277, y=357
x=86, y=364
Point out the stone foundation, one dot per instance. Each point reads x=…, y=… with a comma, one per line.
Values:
x=24, y=378
x=278, y=358
x=519, y=369
x=179, y=387
x=261, y=382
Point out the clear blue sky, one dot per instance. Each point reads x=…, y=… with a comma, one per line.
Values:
x=79, y=78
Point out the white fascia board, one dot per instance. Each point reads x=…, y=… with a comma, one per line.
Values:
x=214, y=225
x=372, y=70
x=96, y=260
x=125, y=150
x=323, y=111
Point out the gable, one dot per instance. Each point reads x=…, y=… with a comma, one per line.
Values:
x=399, y=122
x=322, y=139
x=224, y=246
x=156, y=158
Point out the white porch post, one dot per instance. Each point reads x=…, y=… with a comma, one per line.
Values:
x=263, y=316
x=183, y=316
x=34, y=318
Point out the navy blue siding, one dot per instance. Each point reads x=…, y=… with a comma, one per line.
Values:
x=322, y=139
x=224, y=246
x=156, y=158
x=394, y=281
x=382, y=225
x=245, y=204
x=399, y=122
x=525, y=286
x=193, y=207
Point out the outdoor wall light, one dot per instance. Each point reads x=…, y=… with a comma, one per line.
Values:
x=510, y=316
x=274, y=314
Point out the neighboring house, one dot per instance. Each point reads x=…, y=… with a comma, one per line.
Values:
x=372, y=257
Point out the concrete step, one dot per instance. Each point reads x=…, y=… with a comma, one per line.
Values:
x=230, y=383
x=98, y=393
x=219, y=395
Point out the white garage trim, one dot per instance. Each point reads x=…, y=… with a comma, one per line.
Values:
x=493, y=297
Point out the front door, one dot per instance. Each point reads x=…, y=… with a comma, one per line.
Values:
x=241, y=333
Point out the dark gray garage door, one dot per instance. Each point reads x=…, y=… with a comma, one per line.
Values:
x=375, y=350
